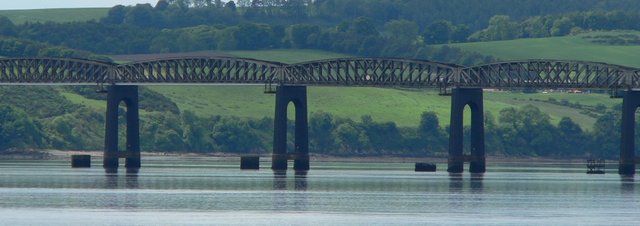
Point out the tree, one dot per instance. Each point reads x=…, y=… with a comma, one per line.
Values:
x=571, y=140
x=162, y=5
x=18, y=130
x=363, y=26
x=501, y=27
x=606, y=136
x=438, y=32
x=527, y=131
x=460, y=33
x=320, y=131
x=7, y=28
x=430, y=132
x=349, y=138
x=115, y=15
x=231, y=6
x=298, y=35
x=235, y=135
x=561, y=27
x=401, y=30
x=140, y=15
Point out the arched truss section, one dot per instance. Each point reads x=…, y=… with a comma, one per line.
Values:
x=379, y=72
x=549, y=74
x=52, y=70
x=370, y=72
x=198, y=70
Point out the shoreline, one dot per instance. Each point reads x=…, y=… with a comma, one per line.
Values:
x=64, y=155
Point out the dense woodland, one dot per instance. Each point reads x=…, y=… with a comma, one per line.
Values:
x=392, y=28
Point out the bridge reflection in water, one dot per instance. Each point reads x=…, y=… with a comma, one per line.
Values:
x=465, y=83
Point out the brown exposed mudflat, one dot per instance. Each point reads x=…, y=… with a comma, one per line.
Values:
x=146, y=57
x=24, y=154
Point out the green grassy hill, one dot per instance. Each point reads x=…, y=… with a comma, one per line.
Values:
x=569, y=47
x=54, y=15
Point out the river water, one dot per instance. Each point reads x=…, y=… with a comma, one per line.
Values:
x=203, y=191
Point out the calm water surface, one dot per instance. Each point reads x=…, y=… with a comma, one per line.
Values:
x=202, y=191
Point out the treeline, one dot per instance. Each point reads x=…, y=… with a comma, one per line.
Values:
x=360, y=36
x=502, y=27
x=476, y=14
x=57, y=123
x=381, y=28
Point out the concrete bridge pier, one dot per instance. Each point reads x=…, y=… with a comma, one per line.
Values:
x=285, y=95
x=460, y=98
x=116, y=95
x=630, y=102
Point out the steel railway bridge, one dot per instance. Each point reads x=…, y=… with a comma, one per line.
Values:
x=289, y=82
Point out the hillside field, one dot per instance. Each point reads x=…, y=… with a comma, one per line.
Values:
x=561, y=48
x=54, y=15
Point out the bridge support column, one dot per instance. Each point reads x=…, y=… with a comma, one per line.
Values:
x=285, y=95
x=630, y=102
x=460, y=98
x=128, y=95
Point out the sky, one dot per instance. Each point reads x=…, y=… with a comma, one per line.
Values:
x=44, y=4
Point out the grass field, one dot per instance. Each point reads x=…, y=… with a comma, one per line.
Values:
x=401, y=106
x=54, y=15
x=561, y=48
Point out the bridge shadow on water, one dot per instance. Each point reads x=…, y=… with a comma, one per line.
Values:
x=113, y=179
x=459, y=194
x=627, y=184
x=280, y=180
x=126, y=199
x=290, y=200
x=456, y=183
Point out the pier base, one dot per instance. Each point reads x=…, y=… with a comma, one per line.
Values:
x=250, y=162
x=81, y=161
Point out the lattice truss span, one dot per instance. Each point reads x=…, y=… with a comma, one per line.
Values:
x=371, y=72
x=550, y=74
x=198, y=70
x=382, y=72
x=52, y=70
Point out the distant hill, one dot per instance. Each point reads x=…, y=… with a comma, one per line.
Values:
x=55, y=15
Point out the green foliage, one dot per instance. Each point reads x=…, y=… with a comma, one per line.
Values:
x=150, y=100
x=82, y=129
x=298, y=35
x=38, y=102
x=18, y=130
x=234, y=135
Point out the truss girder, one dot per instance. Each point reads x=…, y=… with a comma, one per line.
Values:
x=550, y=74
x=370, y=72
x=380, y=72
x=198, y=70
x=52, y=70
